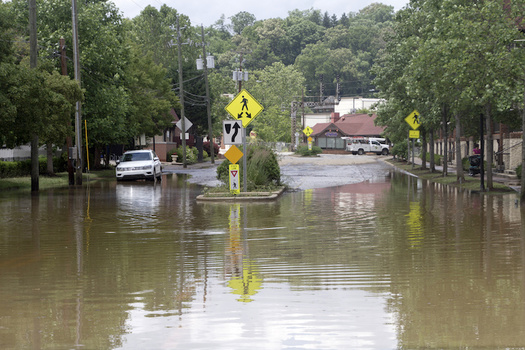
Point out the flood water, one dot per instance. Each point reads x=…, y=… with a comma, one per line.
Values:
x=391, y=263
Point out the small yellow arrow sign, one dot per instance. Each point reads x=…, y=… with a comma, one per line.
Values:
x=413, y=120
x=244, y=107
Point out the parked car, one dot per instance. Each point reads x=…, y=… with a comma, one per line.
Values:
x=362, y=145
x=143, y=164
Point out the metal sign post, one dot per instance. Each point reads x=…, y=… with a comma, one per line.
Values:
x=244, y=107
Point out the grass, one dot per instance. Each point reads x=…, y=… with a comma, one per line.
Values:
x=23, y=184
x=470, y=183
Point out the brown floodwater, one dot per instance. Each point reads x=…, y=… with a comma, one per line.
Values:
x=391, y=263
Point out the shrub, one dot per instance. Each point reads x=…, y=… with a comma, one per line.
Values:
x=305, y=152
x=400, y=150
x=438, y=159
x=518, y=171
x=206, y=147
x=23, y=167
x=263, y=168
x=465, y=163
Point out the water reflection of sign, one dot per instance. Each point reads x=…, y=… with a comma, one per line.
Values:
x=331, y=134
x=247, y=284
x=244, y=280
x=415, y=227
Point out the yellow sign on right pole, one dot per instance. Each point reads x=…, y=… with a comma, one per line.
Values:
x=234, y=179
x=413, y=134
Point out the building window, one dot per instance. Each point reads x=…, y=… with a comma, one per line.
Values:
x=331, y=142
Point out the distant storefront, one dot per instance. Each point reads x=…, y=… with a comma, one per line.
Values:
x=331, y=140
x=329, y=135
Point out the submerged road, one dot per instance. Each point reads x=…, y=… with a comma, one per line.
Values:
x=301, y=173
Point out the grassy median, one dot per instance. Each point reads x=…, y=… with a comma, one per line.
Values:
x=45, y=182
x=471, y=183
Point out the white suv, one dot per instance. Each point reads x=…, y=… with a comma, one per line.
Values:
x=143, y=164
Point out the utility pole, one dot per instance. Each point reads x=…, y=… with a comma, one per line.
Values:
x=181, y=96
x=33, y=52
x=63, y=66
x=78, y=126
x=208, y=102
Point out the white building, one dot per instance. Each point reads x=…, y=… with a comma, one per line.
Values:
x=347, y=105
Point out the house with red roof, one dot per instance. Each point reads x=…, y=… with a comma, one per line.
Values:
x=329, y=135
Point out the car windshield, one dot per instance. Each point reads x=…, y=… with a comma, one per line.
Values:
x=128, y=157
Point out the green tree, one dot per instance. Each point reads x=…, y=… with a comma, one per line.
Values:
x=275, y=87
x=466, y=47
x=242, y=20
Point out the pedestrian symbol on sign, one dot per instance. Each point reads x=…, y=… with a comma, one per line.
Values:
x=244, y=103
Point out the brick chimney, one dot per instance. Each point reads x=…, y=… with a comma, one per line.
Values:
x=334, y=117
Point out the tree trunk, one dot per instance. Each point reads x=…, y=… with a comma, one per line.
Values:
x=445, y=139
x=49, y=152
x=460, y=177
x=489, y=148
x=522, y=194
x=96, y=161
x=423, y=149
x=431, y=151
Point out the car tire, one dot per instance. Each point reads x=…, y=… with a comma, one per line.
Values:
x=361, y=151
x=384, y=152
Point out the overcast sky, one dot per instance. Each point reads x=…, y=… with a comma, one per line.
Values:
x=207, y=12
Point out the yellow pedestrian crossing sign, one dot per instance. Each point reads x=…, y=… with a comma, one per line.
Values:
x=244, y=107
x=308, y=131
x=413, y=120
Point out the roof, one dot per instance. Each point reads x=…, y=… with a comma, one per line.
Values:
x=351, y=125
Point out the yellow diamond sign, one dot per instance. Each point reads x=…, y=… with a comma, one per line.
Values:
x=244, y=107
x=233, y=154
x=413, y=120
x=308, y=131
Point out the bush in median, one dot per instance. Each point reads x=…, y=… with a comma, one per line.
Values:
x=263, y=168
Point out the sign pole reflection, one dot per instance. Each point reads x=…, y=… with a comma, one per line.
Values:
x=244, y=279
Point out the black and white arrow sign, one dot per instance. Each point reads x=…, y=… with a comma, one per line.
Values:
x=232, y=131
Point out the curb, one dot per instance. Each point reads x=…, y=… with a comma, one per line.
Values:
x=242, y=197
